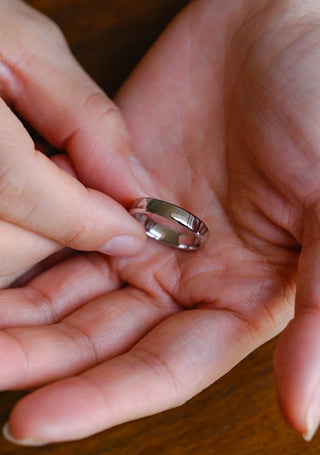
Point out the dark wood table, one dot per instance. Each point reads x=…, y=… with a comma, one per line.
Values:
x=238, y=415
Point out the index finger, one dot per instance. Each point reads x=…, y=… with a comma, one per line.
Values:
x=50, y=89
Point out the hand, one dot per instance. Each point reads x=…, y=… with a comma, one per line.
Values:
x=217, y=111
x=40, y=80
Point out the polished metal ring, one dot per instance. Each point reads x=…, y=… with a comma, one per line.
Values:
x=170, y=224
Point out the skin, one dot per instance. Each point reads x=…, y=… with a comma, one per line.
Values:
x=41, y=206
x=223, y=112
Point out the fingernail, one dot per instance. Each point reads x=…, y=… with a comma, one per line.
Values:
x=312, y=426
x=313, y=417
x=123, y=245
x=23, y=442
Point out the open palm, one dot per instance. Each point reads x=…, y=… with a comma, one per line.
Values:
x=217, y=112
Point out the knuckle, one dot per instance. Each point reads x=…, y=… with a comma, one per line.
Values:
x=74, y=236
x=161, y=368
x=28, y=37
x=30, y=23
x=99, y=102
x=17, y=202
x=51, y=29
x=11, y=187
x=44, y=29
x=76, y=230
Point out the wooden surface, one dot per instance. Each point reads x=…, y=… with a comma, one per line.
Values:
x=238, y=415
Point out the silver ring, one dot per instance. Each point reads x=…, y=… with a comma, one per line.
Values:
x=170, y=224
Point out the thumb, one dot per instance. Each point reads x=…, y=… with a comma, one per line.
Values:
x=297, y=357
x=40, y=197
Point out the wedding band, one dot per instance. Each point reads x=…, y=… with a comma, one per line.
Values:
x=170, y=224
